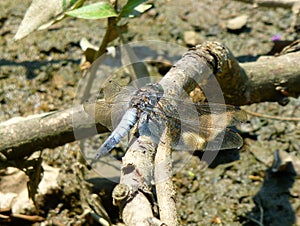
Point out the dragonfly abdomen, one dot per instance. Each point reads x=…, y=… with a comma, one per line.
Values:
x=126, y=123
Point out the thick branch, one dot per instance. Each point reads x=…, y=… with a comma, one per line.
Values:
x=268, y=79
x=133, y=194
x=25, y=136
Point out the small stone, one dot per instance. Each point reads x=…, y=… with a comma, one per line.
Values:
x=237, y=23
x=191, y=38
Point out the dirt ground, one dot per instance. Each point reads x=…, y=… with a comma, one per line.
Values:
x=41, y=72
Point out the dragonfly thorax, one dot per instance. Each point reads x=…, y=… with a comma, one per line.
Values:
x=147, y=97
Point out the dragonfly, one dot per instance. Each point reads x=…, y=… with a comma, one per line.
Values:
x=146, y=111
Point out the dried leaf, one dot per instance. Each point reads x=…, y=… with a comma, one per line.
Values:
x=41, y=14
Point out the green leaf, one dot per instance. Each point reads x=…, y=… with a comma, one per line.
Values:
x=95, y=11
x=130, y=6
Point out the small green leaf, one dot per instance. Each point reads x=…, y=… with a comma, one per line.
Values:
x=130, y=6
x=98, y=10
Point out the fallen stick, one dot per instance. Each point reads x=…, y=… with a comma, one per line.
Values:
x=22, y=136
x=268, y=79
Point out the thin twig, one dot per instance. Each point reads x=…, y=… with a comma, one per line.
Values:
x=294, y=119
x=111, y=28
x=259, y=222
x=272, y=3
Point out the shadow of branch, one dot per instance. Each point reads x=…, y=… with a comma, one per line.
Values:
x=272, y=202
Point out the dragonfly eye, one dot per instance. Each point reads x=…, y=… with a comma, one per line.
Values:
x=152, y=100
x=142, y=105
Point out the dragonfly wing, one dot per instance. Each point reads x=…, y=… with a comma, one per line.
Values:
x=231, y=140
x=234, y=114
x=204, y=125
x=210, y=117
x=100, y=110
x=228, y=140
x=111, y=89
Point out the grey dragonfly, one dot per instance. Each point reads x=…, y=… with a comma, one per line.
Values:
x=146, y=111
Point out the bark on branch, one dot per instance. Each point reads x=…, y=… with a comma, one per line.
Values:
x=163, y=175
x=272, y=79
x=21, y=137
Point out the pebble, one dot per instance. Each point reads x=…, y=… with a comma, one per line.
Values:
x=191, y=38
x=237, y=23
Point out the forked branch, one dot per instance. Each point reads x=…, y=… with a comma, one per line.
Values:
x=143, y=157
x=268, y=79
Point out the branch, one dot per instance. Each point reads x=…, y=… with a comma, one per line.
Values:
x=197, y=64
x=138, y=163
x=271, y=79
x=133, y=194
x=22, y=137
x=272, y=3
x=268, y=79
x=165, y=189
